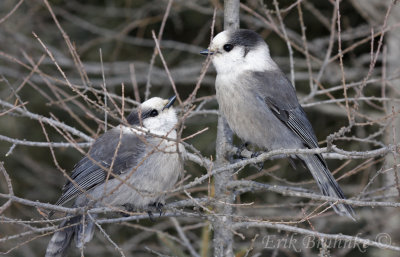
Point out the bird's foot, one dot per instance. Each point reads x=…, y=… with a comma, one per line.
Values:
x=160, y=208
x=255, y=154
x=128, y=208
x=151, y=216
x=260, y=165
x=243, y=155
x=240, y=150
x=157, y=206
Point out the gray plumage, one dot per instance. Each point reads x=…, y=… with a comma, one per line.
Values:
x=77, y=227
x=261, y=106
x=150, y=165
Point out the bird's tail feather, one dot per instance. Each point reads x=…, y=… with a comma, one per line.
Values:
x=84, y=233
x=327, y=184
x=72, y=227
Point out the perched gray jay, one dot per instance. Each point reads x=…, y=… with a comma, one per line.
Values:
x=129, y=165
x=261, y=106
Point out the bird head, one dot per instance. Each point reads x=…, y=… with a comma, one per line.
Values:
x=239, y=50
x=156, y=115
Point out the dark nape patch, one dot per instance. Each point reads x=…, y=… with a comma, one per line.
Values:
x=246, y=38
x=246, y=51
x=133, y=117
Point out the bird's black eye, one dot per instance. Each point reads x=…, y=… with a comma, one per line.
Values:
x=153, y=113
x=228, y=47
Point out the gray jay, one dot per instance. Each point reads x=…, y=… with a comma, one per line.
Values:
x=261, y=106
x=131, y=165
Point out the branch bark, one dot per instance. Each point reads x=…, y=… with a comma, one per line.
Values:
x=223, y=236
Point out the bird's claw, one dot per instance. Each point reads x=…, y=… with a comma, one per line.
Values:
x=155, y=206
x=151, y=216
x=128, y=208
x=255, y=154
x=240, y=150
x=160, y=208
x=259, y=165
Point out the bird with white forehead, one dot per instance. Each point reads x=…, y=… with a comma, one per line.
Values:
x=132, y=166
x=261, y=106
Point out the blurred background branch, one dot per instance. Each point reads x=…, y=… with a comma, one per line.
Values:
x=342, y=55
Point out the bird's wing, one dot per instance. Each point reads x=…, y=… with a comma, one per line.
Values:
x=125, y=152
x=278, y=94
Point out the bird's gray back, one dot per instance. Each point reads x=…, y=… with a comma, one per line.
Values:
x=157, y=171
x=139, y=161
x=241, y=98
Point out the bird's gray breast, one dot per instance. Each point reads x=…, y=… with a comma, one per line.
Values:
x=248, y=115
x=158, y=172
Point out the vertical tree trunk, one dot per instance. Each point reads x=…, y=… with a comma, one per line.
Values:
x=231, y=14
x=223, y=236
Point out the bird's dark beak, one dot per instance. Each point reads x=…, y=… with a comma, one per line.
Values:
x=171, y=101
x=206, y=52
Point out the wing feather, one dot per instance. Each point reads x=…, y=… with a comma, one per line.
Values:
x=92, y=170
x=280, y=97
